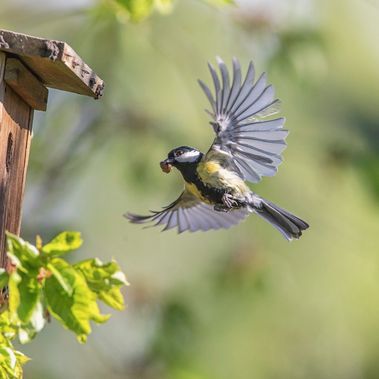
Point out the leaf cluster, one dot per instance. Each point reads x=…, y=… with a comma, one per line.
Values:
x=41, y=284
x=139, y=10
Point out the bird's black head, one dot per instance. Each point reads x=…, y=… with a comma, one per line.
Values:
x=181, y=157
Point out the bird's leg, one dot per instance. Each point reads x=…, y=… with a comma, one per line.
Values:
x=228, y=203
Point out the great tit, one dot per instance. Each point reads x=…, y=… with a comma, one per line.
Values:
x=248, y=145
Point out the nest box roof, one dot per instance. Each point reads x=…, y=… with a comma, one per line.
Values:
x=55, y=63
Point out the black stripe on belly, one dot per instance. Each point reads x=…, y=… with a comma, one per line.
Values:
x=190, y=175
x=213, y=194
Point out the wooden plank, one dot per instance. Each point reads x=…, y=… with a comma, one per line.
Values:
x=55, y=63
x=16, y=118
x=25, y=84
x=3, y=59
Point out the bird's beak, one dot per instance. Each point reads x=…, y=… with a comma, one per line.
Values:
x=166, y=165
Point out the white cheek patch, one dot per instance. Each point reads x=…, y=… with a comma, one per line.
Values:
x=188, y=156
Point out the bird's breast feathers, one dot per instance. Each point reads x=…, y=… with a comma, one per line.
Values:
x=214, y=174
x=215, y=180
x=193, y=189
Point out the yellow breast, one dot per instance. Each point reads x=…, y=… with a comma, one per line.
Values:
x=209, y=173
x=192, y=189
x=214, y=174
x=210, y=167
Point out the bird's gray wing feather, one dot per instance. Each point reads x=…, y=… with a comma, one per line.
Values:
x=188, y=213
x=253, y=145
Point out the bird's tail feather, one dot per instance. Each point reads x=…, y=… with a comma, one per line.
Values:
x=288, y=224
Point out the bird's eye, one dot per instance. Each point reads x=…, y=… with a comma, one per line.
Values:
x=178, y=153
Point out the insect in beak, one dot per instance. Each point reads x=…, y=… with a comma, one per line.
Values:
x=166, y=165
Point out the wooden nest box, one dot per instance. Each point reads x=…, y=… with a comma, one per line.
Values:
x=28, y=65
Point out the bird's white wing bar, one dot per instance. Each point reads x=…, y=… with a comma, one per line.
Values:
x=255, y=146
x=188, y=213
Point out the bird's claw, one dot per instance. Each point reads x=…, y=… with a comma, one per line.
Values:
x=228, y=203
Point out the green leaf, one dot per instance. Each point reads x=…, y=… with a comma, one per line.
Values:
x=3, y=278
x=76, y=310
x=62, y=281
x=7, y=329
x=63, y=243
x=105, y=279
x=137, y=9
x=24, y=295
x=27, y=331
x=21, y=358
x=8, y=355
x=22, y=254
x=25, y=311
x=14, y=293
x=11, y=362
x=113, y=298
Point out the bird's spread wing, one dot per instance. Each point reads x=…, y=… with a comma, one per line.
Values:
x=253, y=145
x=188, y=213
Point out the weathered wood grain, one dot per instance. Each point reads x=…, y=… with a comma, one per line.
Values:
x=55, y=63
x=16, y=118
x=27, y=65
x=25, y=84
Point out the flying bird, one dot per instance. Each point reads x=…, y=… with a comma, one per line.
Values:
x=248, y=145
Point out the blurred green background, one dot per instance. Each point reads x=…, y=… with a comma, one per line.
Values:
x=241, y=303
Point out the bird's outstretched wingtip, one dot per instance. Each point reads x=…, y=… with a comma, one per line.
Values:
x=219, y=60
x=136, y=219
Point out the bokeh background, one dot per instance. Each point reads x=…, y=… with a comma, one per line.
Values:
x=241, y=303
